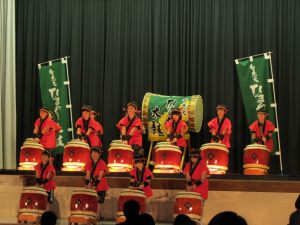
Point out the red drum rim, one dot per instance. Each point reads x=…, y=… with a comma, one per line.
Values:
x=85, y=191
x=164, y=166
x=27, y=211
x=120, y=147
x=34, y=190
x=188, y=194
x=132, y=193
x=253, y=166
x=37, y=146
x=256, y=146
x=216, y=167
x=119, y=165
x=74, y=164
x=192, y=216
x=77, y=143
x=80, y=213
x=167, y=149
x=215, y=146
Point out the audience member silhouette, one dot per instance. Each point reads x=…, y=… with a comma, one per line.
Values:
x=227, y=218
x=48, y=218
x=131, y=209
x=146, y=219
x=182, y=219
x=295, y=216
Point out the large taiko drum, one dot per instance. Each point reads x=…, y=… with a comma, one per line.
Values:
x=156, y=109
x=31, y=154
x=120, y=157
x=33, y=201
x=167, y=158
x=76, y=155
x=129, y=194
x=215, y=156
x=190, y=204
x=84, y=203
x=256, y=159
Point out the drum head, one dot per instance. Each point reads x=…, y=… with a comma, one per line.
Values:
x=130, y=192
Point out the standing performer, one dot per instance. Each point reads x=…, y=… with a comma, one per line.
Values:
x=262, y=130
x=44, y=172
x=45, y=130
x=87, y=128
x=140, y=176
x=96, y=171
x=99, y=132
x=220, y=127
x=196, y=173
x=131, y=128
x=176, y=128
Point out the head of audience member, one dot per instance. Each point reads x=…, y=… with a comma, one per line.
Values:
x=295, y=218
x=297, y=203
x=182, y=219
x=145, y=219
x=131, y=209
x=48, y=218
x=227, y=218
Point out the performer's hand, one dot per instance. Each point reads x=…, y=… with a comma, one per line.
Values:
x=141, y=187
x=264, y=139
x=125, y=142
x=189, y=188
x=168, y=140
x=174, y=140
x=194, y=186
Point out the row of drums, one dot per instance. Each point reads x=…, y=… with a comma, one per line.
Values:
x=166, y=158
x=84, y=203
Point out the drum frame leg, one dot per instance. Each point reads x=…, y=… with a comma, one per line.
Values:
x=25, y=218
x=81, y=220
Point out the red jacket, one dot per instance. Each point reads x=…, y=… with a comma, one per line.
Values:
x=267, y=128
x=137, y=135
x=196, y=175
x=226, y=125
x=96, y=127
x=181, y=142
x=50, y=185
x=101, y=166
x=146, y=176
x=50, y=128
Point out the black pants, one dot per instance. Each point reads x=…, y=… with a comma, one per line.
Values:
x=101, y=195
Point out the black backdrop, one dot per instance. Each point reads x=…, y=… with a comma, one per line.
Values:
x=121, y=49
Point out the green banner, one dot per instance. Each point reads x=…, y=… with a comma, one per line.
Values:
x=54, y=93
x=253, y=73
x=156, y=109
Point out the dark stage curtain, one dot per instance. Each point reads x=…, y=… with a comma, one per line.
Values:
x=121, y=49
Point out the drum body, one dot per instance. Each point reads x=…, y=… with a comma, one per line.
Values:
x=84, y=203
x=256, y=159
x=30, y=154
x=190, y=204
x=215, y=155
x=33, y=201
x=76, y=155
x=120, y=157
x=167, y=158
x=156, y=109
x=129, y=194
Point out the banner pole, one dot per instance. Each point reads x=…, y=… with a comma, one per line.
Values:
x=69, y=93
x=276, y=115
x=53, y=60
x=252, y=56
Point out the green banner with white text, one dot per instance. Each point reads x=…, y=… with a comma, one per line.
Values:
x=254, y=74
x=54, y=93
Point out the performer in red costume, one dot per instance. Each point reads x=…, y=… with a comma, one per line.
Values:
x=220, y=127
x=131, y=128
x=96, y=171
x=87, y=128
x=45, y=172
x=262, y=130
x=176, y=128
x=140, y=176
x=196, y=173
x=45, y=130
